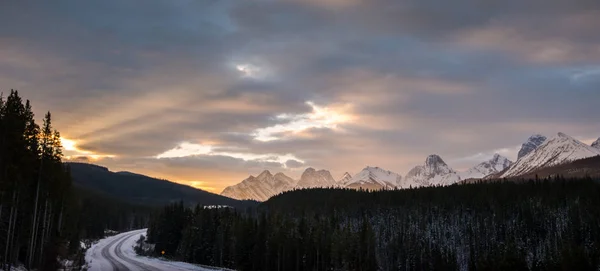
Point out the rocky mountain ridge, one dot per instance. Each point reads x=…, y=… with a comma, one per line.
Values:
x=497, y=164
x=531, y=144
x=596, y=144
x=560, y=149
x=536, y=153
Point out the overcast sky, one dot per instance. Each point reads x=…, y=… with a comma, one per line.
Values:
x=207, y=92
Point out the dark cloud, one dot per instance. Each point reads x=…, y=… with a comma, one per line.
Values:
x=137, y=78
x=83, y=159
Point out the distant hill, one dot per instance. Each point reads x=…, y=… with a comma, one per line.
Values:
x=140, y=189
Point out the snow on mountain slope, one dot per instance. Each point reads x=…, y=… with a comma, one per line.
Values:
x=374, y=178
x=312, y=179
x=260, y=188
x=558, y=150
x=346, y=177
x=434, y=172
x=532, y=143
x=596, y=144
x=497, y=164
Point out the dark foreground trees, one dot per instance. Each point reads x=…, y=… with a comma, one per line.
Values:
x=40, y=215
x=535, y=225
x=34, y=186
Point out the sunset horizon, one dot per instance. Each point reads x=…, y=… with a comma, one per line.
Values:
x=213, y=92
x=296, y=135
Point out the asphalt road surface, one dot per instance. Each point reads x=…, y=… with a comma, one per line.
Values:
x=116, y=253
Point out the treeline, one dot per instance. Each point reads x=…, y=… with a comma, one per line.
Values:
x=531, y=225
x=41, y=216
x=34, y=186
x=98, y=212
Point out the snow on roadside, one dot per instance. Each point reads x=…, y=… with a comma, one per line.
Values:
x=96, y=261
x=94, y=258
x=16, y=268
x=156, y=262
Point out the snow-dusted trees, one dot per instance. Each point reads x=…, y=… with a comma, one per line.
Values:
x=534, y=225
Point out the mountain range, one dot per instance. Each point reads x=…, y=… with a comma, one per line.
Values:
x=374, y=178
x=496, y=165
x=260, y=188
x=312, y=178
x=434, y=172
x=536, y=153
x=555, y=151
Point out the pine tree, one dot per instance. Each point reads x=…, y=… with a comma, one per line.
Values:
x=33, y=181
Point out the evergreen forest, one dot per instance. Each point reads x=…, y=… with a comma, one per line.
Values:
x=550, y=224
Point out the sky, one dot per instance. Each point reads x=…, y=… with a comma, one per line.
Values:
x=208, y=92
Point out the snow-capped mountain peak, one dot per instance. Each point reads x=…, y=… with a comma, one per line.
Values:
x=345, y=178
x=434, y=159
x=264, y=174
x=436, y=164
x=497, y=164
x=532, y=143
x=501, y=161
x=312, y=178
x=279, y=174
x=538, y=152
x=260, y=188
x=374, y=178
x=596, y=144
x=560, y=149
x=434, y=172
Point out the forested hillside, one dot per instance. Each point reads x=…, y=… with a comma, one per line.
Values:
x=97, y=213
x=532, y=225
x=576, y=169
x=143, y=190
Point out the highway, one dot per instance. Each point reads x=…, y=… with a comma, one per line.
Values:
x=116, y=253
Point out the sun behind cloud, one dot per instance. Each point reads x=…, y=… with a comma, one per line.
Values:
x=68, y=144
x=72, y=152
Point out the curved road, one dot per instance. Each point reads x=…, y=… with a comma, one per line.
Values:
x=114, y=263
x=116, y=253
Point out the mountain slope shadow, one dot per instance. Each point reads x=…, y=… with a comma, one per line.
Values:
x=142, y=189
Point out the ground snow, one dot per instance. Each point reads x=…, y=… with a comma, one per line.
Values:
x=97, y=262
x=17, y=268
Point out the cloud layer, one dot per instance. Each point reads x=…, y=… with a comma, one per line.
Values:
x=240, y=86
